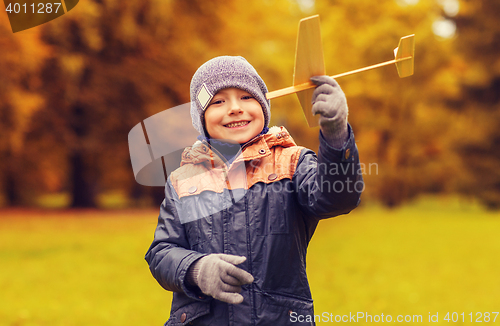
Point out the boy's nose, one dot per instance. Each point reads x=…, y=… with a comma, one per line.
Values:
x=234, y=107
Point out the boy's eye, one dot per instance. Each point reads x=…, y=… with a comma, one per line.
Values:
x=246, y=97
x=217, y=102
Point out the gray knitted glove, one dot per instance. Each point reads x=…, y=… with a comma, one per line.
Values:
x=216, y=275
x=330, y=103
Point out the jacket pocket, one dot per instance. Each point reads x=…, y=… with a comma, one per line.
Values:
x=284, y=309
x=188, y=313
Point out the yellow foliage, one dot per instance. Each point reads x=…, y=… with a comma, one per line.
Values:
x=120, y=62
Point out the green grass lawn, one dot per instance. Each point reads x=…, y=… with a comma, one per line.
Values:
x=430, y=257
x=78, y=268
x=87, y=267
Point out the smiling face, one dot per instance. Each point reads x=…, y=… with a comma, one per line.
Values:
x=234, y=114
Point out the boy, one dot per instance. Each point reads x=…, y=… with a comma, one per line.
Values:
x=239, y=213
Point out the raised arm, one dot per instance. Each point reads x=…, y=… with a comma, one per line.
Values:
x=330, y=183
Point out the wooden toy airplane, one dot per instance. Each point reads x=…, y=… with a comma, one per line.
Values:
x=309, y=62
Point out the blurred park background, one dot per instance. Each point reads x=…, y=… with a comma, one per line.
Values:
x=424, y=239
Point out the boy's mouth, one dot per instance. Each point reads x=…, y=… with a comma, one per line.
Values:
x=237, y=124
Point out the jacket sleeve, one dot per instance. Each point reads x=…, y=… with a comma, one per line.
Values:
x=330, y=183
x=169, y=256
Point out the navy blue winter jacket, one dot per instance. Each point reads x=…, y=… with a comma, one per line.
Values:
x=265, y=206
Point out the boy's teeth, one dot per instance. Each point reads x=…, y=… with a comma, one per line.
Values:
x=237, y=124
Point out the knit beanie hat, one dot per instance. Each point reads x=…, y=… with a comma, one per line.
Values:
x=225, y=72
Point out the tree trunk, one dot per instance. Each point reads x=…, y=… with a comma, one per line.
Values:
x=83, y=186
x=11, y=183
x=11, y=190
x=82, y=189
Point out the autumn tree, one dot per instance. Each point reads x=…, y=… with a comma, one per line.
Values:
x=400, y=124
x=9, y=77
x=113, y=64
x=18, y=102
x=478, y=103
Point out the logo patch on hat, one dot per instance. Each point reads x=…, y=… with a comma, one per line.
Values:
x=204, y=96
